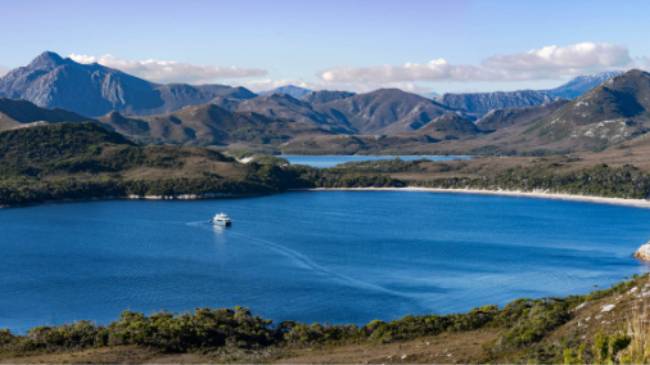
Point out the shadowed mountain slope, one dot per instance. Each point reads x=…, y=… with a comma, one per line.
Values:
x=21, y=113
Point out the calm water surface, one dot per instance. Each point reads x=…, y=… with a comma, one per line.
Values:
x=323, y=161
x=309, y=256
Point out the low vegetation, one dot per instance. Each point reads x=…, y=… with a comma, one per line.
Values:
x=602, y=180
x=215, y=328
x=523, y=326
x=624, y=181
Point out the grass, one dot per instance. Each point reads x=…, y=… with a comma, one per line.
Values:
x=638, y=330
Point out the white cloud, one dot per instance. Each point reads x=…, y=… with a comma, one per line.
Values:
x=3, y=70
x=435, y=70
x=551, y=62
x=170, y=71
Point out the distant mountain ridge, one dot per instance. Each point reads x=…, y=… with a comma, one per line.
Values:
x=481, y=103
x=325, y=96
x=51, y=81
x=291, y=90
x=581, y=84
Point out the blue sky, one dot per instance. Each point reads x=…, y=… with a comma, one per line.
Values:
x=476, y=45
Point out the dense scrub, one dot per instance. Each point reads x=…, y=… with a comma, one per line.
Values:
x=215, y=328
x=522, y=324
x=50, y=143
x=99, y=178
x=84, y=161
x=26, y=191
x=602, y=180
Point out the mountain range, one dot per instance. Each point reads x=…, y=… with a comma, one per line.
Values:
x=52, y=89
x=611, y=114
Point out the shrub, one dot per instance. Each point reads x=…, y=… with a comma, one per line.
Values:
x=205, y=328
x=78, y=335
x=532, y=319
x=6, y=338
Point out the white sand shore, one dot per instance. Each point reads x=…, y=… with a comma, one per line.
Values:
x=539, y=194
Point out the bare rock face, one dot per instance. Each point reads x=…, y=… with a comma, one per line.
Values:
x=643, y=252
x=481, y=103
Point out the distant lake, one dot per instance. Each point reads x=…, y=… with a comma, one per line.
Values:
x=324, y=161
x=338, y=257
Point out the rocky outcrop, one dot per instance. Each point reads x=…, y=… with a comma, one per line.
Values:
x=643, y=252
x=481, y=103
x=325, y=96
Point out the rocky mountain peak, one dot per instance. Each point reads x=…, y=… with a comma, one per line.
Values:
x=47, y=60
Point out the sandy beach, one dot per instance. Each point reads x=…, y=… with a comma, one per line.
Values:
x=538, y=194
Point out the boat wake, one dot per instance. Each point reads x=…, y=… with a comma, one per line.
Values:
x=304, y=262
x=198, y=223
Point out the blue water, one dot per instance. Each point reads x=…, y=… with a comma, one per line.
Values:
x=323, y=161
x=310, y=256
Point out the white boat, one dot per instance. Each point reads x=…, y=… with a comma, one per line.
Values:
x=221, y=219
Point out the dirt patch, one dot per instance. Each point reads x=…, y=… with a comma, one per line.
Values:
x=459, y=347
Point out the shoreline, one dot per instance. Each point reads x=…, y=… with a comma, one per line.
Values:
x=534, y=194
x=135, y=197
